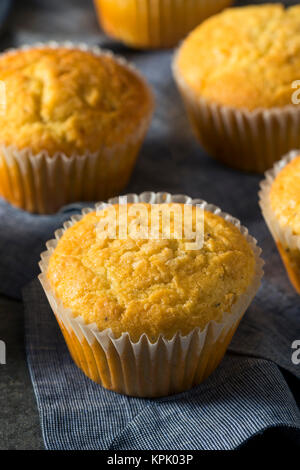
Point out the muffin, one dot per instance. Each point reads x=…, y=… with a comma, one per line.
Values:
x=153, y=24
x=280, y=203
x=150, y=315
x=74, y=122
x=236, y=74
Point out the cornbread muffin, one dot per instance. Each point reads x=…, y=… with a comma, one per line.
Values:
x=241, y=65
x=285, y=196
x=150, y=286
x=285, y=207
x=150, y=24
x=144, y=311
x=72, y=102
x=68, y=100
x=244, y=57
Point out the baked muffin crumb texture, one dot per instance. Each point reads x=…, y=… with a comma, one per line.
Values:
x=150, y=286
x=69, y=100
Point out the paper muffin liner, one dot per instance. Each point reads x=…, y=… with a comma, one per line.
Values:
x=243, y=139
x=42, y=183
x=154, y=23
x=287, y=242
x=143, y=368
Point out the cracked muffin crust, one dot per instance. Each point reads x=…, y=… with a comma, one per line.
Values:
x=69, y=100
x=152, y=286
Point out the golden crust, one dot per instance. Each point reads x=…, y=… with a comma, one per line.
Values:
x=150, y=286
x=285, y=196
x=245, y=57
x=68, y=100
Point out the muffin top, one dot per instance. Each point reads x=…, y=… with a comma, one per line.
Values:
x=152, y=286
x=285, y=196
x=68, y=100
x=245, y=57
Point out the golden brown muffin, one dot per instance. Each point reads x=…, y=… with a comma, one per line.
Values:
x=69, y=100
x=236, y=74
x=285, y=196
x=244, y=57
x=149, y=313
x=150, y=286
x=150, y=24
x=74, y=123
x=284, y=212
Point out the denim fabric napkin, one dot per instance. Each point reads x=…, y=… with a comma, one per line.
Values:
x=247, y=394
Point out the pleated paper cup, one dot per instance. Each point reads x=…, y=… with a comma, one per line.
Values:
x=42, y=183
x=242, y=139
x=154, y=23
x=287, y=242
x=144, y=368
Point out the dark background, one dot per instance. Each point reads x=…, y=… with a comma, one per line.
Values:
x=40, y=20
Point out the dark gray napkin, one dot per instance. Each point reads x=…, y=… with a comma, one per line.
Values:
x=22, y=239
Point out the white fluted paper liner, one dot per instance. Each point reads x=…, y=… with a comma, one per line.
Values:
x=243, y=139
x=155, y=23
x=42, y=183
x=283, y=235
x=143, y=368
